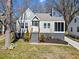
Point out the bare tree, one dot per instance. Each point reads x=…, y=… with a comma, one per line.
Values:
x=68, y=8
x=8, y=19
x=8, y=10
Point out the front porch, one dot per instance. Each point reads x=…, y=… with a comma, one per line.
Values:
x=35, y=31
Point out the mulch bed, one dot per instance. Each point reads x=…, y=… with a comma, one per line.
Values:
x=58, y=41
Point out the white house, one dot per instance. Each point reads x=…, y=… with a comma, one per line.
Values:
x=2, y=18
x=73, y=27
x=41, y=23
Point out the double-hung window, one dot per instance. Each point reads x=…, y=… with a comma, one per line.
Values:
x=48, y=25
x=44, y=25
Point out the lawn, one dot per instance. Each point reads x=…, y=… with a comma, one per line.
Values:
x=24, y=50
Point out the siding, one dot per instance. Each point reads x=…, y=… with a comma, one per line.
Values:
x=74, y=26
x=51, y=29
x=46, y=30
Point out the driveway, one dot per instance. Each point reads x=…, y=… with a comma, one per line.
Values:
x=71, y=42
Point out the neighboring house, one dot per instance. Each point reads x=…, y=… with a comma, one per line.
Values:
x=41, y=23
x=73, y=27
x=2, y=18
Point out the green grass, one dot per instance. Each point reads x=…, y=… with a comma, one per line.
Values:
x=27, y=51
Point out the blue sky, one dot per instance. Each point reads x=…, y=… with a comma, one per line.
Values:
x=31, y=4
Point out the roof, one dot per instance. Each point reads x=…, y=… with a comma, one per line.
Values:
x=47, y=17
x=57, y=18
x=43, y=16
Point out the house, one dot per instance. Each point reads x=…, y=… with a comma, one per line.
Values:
x=42, y=23
x=2, y=18
x=73, y=27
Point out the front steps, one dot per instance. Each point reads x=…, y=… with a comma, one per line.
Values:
x=34, y=37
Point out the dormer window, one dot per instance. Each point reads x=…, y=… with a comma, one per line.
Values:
x=75, y=21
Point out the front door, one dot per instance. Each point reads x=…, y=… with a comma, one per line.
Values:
x=35, y=26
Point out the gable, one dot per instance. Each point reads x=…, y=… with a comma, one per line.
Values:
x=27, y=15
x=74, y=23
x=35, y=18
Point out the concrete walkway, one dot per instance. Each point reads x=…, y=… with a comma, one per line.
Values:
x=71, y=42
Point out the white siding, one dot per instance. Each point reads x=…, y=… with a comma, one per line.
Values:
x=29, y=25
x=74, y=26
x=51, y=29
x=46, y=30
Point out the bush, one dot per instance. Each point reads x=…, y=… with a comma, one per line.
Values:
x=27, y=36
x=42, y=38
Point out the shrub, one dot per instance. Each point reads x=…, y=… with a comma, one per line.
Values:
x=27, y=36
x=42, y=38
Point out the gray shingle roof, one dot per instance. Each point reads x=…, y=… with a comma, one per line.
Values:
x=47, y=17
x=43, y=16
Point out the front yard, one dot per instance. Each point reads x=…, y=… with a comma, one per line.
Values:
x=24, y=50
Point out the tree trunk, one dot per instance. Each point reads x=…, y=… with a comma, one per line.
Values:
x=8, y=22
x=7, y=40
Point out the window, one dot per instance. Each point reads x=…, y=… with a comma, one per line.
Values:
x=62, y=26
x=22, y=25
x=44, y=25
x=35, y=23
x=75, y=20
x=55, y=26
x=59, y=26
x=48, y=25
x=77, y=29
x=59, y=29
x=71, y=29
x=26, y=25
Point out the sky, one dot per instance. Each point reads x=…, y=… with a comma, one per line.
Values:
x=32, y=4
